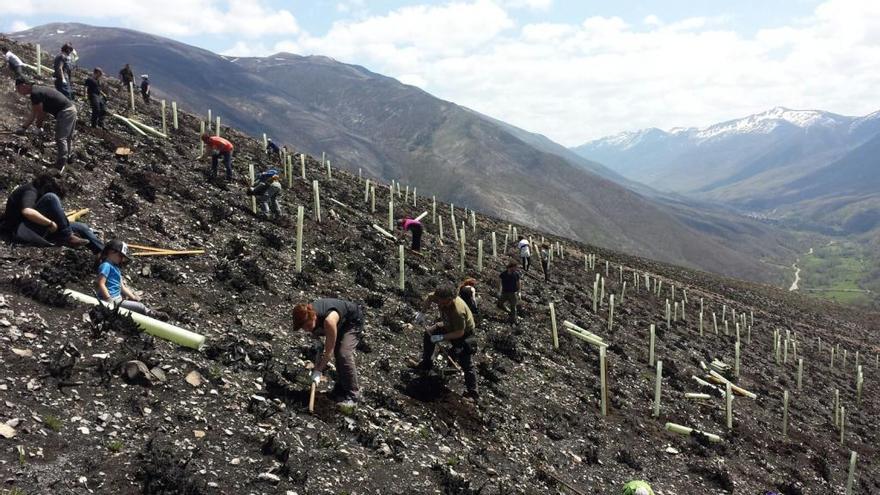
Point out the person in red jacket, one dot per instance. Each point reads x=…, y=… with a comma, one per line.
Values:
x=218, y=147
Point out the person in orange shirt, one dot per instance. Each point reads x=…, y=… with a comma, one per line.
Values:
x=218, y=147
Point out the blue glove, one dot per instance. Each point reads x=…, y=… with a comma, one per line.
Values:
x=436, y=338
x=316, y=377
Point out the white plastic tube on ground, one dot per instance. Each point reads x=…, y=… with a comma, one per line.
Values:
x=149, y=325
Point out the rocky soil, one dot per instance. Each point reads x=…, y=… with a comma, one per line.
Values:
x=232, y=418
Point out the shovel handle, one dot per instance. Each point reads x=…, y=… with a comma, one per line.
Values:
x=312, y=398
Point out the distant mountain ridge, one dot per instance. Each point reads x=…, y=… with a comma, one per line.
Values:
x=390, y=130
x=778, y=163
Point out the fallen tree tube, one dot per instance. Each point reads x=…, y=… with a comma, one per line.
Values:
x=147, y=128
x=684, y=430
x=128, y=122
x=149, y=325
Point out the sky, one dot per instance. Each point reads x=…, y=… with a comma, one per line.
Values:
x=573, y=70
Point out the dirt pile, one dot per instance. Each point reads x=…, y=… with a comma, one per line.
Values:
x=233, y=417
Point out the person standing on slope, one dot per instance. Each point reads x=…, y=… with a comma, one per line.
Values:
x=544, y=254
x=145, y=88
x=341, y=324
x=218, y=147
x=509, y=287
x=49, y=101
x=13, y=63
x=97, y=98
x=268, y=189
x=525, y=253
x=126, y=75
x=62, y=71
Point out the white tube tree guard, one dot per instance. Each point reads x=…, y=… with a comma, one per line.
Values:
x=302, y=165
x=164, y=120
x=684, y=430
x=851, y=477
x=479, y=255
x=785, y=413
x=603, y=380
x=658, y=379
x=149, y=325
x=651, y=339
x=39, y=60
x=300, y=217
x=217, y=128
x=316, y=193
x=728, y=404
x=253, y=179
x=391, y=214
x=131, y=95
x=402, y=284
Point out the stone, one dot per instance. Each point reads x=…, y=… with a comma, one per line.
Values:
x=23, y=352
x=136, y=372
x=199, y=433
x=194, y=378
x=7, y=431
x=270, y=478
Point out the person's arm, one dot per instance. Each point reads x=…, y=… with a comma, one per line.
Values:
x=102, y=288
x=35, y=109
x=126, y=293
x=330, y=332
x=39, y=219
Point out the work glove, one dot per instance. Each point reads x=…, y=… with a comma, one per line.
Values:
x=316, y=377
x=436, y=339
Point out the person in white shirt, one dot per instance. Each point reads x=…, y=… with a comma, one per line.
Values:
x=13, y=63
x=525, y=253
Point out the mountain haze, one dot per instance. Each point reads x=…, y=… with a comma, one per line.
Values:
x=390, y=130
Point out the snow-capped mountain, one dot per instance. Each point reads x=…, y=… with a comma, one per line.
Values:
x=756, y=162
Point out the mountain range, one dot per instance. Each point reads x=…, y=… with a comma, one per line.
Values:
x=815, y=170
x=370, y=122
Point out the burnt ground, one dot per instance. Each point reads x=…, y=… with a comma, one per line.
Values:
x=81, y=428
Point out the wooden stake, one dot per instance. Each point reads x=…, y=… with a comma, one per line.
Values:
x=300, y=214
x=372, y=199
x=658, y=378
x=391, y=216
x=553, y=330
x=715, y=322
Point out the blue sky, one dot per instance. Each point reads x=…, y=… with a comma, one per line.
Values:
x=572, y=70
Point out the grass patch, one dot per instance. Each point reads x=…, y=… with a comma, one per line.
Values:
x=53, y=423
x=115, y=446
x=839, y=271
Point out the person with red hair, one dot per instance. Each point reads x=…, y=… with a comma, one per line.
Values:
x=341, y=324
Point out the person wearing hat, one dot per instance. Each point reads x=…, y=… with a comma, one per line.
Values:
x=97, y=98
x=268, y=189
x=456, y=327
x=62, y=71
x=341, y=324
x=34, y=215
x=145, y=88
x=49, y=101
x=637, y=487
x=110, y=284
x=218, y=147
x=415, y=227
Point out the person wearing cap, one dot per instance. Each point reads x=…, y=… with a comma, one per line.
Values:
x=97, y=98
x=509, y=286
x=13, y=63
x=145, y=88
x=341, y=324
x=110, y=284
x=218, y=147
x=457, y=328
x=637, y=487
x=62, y=71
x=415, y=227
x=49, y=101
x=268, y=189
x=34, y=215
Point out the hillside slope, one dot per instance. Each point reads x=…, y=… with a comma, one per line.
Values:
x=80, y=428
x=391, y=131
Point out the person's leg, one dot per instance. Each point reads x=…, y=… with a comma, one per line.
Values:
x=464, y=355
x=345, y=365
x=417, y=238
x=227, y=160
x=65, y=123
x=49, y=205
x=71, y=136
x=83, y=231
x=135, y=307
x=95, y=106
x=274, y=192
x=427, y=351
x=263, y=199
x=509, y=301
x=215, y=160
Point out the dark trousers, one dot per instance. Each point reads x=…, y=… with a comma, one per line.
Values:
x=417, y=237
x=526, y=263
x=64, y=88
x=347, y=387
x=227, y=161
x=462, y=351
x=545, y=265
x=49, y=205
x=99, y=110
x=509, y=301
x=16, y=72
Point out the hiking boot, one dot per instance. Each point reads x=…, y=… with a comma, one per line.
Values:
x=472, y=395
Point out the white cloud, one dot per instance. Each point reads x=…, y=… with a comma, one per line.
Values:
x=18, y=25
x=531, y=4
x=247, y=18
x=600, y=75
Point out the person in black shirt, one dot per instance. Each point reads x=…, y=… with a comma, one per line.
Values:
x=62, y=69
x=508, y=290
x=97, y=98
x=34, y=215
x=145, y=88
x=126, y=76
x=341, y=324
x=49, y=101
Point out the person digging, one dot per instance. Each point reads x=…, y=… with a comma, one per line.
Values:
x=457, y=328
x=341, y=323
x=45, y=100
x=267, y=189
x=219, y=148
